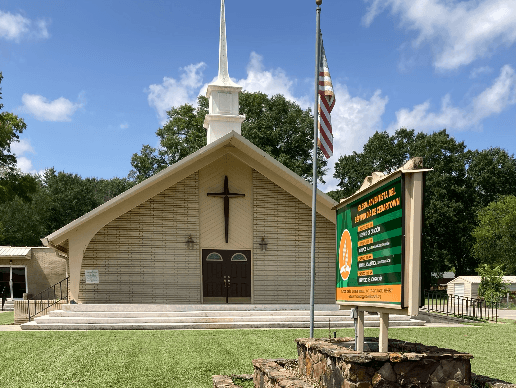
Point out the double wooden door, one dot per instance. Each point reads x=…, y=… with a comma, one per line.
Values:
x=226, y=276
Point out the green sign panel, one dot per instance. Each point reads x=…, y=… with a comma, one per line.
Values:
x=369, y=247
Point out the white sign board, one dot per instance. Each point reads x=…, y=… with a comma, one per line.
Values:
x=91, y=275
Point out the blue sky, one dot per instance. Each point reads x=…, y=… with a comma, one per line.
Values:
x=93, y=79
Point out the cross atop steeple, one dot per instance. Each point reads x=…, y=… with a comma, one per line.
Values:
x=223, y=116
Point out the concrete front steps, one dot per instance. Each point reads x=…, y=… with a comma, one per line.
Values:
x=176, y=317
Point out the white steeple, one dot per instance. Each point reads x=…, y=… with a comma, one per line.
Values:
x=223, y=116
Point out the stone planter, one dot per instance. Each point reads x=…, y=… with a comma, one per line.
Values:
x=331, y=363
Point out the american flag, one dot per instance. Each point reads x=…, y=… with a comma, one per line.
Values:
x=326, y=104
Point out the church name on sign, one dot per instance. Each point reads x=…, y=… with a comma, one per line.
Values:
x=369, y=247
x=380, y=208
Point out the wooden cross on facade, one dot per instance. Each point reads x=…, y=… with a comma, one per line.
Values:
x=227, y=196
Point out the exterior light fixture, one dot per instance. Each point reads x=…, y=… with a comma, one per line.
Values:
x=263, y=244
x=190, y=242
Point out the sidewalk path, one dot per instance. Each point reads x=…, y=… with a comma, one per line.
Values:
x=10, y=328
x=507, y=314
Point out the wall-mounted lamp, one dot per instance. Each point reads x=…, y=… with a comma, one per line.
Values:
x=10, y=262
x=263, y=244
x=190, y=242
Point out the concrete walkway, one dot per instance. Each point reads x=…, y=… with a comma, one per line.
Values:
x=507, y=314
x=18, y=327
x=10, y=328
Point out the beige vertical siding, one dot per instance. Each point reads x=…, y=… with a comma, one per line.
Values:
x=282, y=273
x=211, y=180
x=142, y=257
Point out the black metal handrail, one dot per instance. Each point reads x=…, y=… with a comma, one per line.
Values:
x=51, y=298
x=461, y=307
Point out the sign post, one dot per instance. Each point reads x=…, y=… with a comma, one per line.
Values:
x=379, y=249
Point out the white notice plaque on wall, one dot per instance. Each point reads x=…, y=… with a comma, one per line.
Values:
x=91, y=275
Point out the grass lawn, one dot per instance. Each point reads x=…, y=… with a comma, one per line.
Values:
x=6, y=318
x=189, y=358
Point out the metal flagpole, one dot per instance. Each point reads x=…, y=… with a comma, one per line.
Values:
x=314, y=182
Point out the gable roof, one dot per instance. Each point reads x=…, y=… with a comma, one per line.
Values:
x=232, y=143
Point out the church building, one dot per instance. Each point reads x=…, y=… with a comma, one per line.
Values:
x=227, y=224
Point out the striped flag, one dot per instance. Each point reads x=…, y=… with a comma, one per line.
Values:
x=326, y=104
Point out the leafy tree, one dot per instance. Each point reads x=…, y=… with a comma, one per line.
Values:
x=23, y=223
x=461, y=183
x=277, y=126
x=282, y=129
x=382, y=152
x=492, y=286
x=493, y=173
x=59, y=199
x=495, y=235
x=12, y=182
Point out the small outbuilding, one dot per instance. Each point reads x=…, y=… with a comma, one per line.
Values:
x=29, y=270
x=467, y=286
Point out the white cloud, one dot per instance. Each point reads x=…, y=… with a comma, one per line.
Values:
x=174, y=93
x=270, y=82
x=497, y=97
x=478, y=71
x=492, y=100
x=124, y=125
x=16, y=27
x=60, y=109
x=20, y=149
x=354, y=120
x=459, y=32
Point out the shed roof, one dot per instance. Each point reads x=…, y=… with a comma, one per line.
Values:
x=19, y=252
x=478, y=279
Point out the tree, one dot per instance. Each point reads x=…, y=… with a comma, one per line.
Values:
x=493, y=173
x=492, y=286
x=277, y=126
x=12, y=182
x=495, y=235
x=282, y=129
x=461, y=183
x=382, y=152
x=59, y=199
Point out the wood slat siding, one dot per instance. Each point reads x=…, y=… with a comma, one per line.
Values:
x=282, y=272
x=142, y=257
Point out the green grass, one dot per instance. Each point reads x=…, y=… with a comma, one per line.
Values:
x=189, y=358
x=7, y=318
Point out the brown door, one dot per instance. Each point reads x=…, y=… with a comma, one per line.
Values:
x=226, y=276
